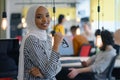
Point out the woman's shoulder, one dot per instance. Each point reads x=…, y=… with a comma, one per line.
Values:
x=49, y=38
x=59, y=25
x=111, y=52
x=32, y=38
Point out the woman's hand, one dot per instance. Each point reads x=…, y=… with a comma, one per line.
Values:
x=58, y=37
x=74, y=72
x=36, y=72
x=84, y=63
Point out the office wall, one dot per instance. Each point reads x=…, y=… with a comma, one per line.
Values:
x=107, y=14
x=17, y=6
x=117, y=14
x=68, y=11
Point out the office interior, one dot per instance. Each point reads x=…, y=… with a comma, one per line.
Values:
x=74, y=10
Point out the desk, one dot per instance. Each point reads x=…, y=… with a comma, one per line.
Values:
x=68, y=62
x=63, y=73
x=78, y=64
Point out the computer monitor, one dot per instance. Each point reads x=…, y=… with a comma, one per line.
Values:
x=9, y=56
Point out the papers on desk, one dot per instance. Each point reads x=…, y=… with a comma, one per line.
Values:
x=75, y=61
x=74, y=58
x=72, y=61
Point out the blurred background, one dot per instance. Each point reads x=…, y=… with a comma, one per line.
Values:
x=75, y=11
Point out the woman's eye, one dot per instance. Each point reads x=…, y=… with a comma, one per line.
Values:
x=38, y=17
x=47, y=15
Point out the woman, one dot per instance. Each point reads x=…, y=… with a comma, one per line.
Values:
x=59, y=27
x=36, y=50
x=99, y=62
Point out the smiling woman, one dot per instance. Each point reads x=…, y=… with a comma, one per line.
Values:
x=42, y=19
x=38, y=59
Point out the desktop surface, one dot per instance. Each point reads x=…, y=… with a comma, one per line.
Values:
x=76, y=63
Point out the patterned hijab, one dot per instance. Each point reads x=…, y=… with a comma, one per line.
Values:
x=32, y=30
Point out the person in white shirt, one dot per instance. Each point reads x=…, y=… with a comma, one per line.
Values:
x=87, y=33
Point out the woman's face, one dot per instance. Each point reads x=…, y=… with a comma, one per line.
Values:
x=42, y=18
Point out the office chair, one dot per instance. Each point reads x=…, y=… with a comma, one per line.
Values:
x=9, y=53
x=110, y=69
x=85, y=50
x=92, y=43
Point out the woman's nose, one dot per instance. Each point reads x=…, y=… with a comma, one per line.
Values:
x=44, y=19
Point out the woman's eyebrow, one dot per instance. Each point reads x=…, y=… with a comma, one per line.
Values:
x=39, y=14
x=42, y=14
x=47, y=13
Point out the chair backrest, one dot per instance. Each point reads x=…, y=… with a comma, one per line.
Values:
x=108, y=71
x=110, y=68
x=85, y=50
x=9, y=55
x=92, y=43
x=117, y=47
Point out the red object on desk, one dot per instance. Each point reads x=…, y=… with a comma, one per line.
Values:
x=6, y=79
x=85, y=50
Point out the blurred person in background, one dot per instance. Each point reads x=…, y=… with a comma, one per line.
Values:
x=87, y=32
x=78, y=41
x=97, y=63
x=59, y=27
x=74, y=30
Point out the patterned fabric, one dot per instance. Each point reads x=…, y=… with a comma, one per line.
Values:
x=39, y=53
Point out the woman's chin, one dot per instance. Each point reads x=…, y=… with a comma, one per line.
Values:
x=44, y=28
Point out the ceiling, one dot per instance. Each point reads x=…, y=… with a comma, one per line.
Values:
x=21, y=2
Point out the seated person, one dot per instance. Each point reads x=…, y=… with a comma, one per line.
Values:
x=78, y=41
x=73, y=30
x=117, y=41
x=98, y=63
